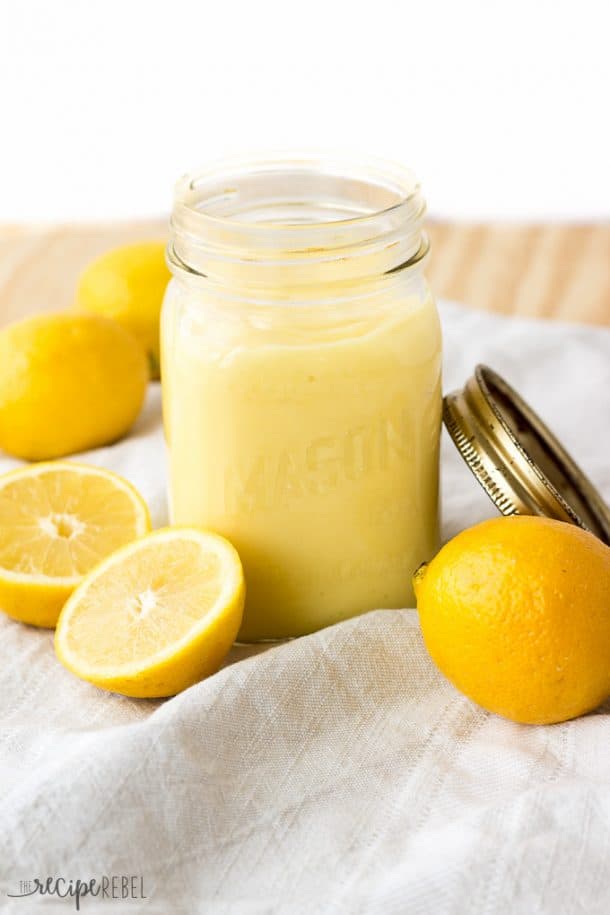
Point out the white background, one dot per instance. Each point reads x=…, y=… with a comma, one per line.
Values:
x=501, y=107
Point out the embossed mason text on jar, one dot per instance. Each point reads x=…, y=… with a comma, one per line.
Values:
x=301, y=383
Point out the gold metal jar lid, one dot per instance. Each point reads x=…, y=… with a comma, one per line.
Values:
x=519, y=463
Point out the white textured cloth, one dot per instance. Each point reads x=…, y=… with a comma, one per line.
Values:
x=338, y=773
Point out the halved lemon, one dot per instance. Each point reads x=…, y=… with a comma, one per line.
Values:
x=156, y=616
x=57, y=521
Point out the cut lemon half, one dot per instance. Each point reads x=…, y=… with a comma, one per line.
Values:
x=57, y=521
x=156, y=616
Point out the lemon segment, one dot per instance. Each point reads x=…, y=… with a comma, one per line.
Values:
x=155, y=617
x=58, y=520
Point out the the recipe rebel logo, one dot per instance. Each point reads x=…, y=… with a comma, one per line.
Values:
x=108, y=887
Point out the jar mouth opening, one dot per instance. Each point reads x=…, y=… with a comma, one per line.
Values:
x=297, y=192
x=299, y=218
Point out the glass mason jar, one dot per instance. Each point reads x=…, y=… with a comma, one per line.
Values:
x=301, y=365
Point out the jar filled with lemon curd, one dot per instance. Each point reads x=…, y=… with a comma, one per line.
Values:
x=301, y=366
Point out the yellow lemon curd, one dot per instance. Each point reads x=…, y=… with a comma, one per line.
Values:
x=303, y=423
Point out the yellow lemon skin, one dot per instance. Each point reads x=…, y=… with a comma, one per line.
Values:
x=128, y=284
x=516, y=613
x=33, y=603
x=68, y=383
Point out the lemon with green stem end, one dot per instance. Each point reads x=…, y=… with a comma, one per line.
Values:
x=128, y=284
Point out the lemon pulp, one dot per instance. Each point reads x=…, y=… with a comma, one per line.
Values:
x=58, y=520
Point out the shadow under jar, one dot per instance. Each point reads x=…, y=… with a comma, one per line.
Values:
x=301, y=365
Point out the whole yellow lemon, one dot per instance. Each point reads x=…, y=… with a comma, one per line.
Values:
x=67, y=383
x=516, y=613
x=128, y=284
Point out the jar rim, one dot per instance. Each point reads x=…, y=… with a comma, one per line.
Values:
x=295, y=216
x=406, y=185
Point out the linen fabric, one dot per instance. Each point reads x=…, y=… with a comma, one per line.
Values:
x=337, y=773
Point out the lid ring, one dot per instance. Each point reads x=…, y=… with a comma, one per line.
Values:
x=517, y=460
